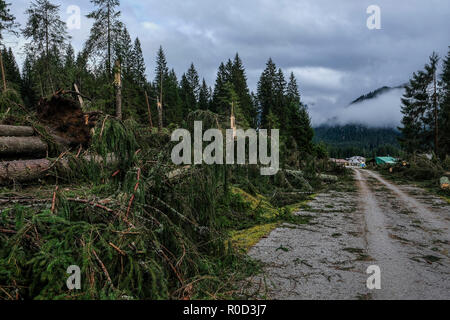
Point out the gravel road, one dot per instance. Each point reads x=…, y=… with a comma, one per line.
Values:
x=402, y=229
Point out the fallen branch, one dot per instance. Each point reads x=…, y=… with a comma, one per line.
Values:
x=105, y=271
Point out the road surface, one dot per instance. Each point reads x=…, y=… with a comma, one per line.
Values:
x=403, y=230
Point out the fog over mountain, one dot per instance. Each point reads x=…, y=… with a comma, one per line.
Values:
x=382, y=110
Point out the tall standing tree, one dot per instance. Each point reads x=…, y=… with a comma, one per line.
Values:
x=266, y=96
x=299, y=122
x=47, y=31
x=420, y=110
x=104, y=31
x=221, y=95
x=138, y=64
x=204, y=97
x=7, y=24
x=444, y=138
x=239, y=80
x=189, y=90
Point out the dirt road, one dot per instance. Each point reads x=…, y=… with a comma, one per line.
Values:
x=402, y=229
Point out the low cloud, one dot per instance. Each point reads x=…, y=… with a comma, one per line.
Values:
x=382, y=111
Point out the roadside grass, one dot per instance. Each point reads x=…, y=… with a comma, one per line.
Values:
x=262, y=218
x=430, y=185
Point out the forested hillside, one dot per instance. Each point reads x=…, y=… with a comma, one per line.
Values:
x=350, y=140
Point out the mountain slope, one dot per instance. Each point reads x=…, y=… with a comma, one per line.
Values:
x=358, y=139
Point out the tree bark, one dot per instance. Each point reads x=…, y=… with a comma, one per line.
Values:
x=22, y=171
x=12, y=146
x=16, y=131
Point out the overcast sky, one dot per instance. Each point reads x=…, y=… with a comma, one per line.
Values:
x=326, y=43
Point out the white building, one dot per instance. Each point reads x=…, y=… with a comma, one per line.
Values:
x=356, y=161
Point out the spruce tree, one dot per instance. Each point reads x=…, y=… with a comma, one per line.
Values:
x=47, y=32
x=8, y=24
x=12, y=73
x=138, y=64
x=239, y=80
x=266, y=96
x=444, y=137
x=104, y=31
x=204, y=97
x=221, y=95
x=419, y=110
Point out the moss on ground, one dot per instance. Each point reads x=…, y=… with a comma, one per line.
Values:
x=270, y=218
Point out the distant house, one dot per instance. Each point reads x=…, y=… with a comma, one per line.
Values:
x=385, y=160
x=356, y=161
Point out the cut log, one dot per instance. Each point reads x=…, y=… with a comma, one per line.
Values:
x=13, y=146
x=29, y=170
x=26, y=170
x=16, y=131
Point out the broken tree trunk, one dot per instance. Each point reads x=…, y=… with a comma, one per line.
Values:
x=149, y=111
x=118, y=84
x=80, y=98
x=3, y=72
x=12, y=146
x=16, y=131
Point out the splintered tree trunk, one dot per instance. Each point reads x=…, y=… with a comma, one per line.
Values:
x=16, y=131
x=3, y=71
x=118, y=83
x=80, y=99
x=149, y=111
x=12, y=146
x=21, y=171
x=160, y=121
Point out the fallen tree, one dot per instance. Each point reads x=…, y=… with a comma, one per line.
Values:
x=13, y=146
x=16, y=131
x=24, y=170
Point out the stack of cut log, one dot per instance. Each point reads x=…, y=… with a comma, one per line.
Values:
x=18, y=144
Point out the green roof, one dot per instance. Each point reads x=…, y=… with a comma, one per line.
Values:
x=385, y=160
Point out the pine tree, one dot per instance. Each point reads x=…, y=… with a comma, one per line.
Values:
x=8, y=24
x=104, y=31
x=187, y=96
x=173, y=105
x=266, y=95
x=12, y=73
x=280, y=107
x=27, y=89
x=444, y=138
x=47, y=31
x=204, y=97
x=419, y=110
x=239, y=80
x=69, y=67
x=193, y=80
x=138, y=64
x=221, y=95
x=189, y=90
